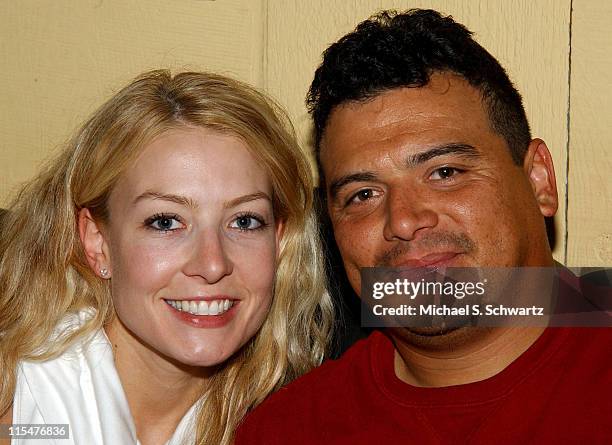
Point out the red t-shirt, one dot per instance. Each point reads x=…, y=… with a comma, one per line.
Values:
x=559, y=391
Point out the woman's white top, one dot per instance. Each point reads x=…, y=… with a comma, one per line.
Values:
x=81, y=388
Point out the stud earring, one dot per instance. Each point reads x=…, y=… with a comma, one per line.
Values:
x=104, y=273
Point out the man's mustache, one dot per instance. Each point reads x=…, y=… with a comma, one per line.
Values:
x=433, y=242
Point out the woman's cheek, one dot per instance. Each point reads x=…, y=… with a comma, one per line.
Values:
x=147, y=265
x=257, y=264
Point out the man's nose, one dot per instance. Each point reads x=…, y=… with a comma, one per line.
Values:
x=209, y=258
x=406, y=215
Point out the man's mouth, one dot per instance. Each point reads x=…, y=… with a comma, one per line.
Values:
x=436, y=331
x=202, y=307
x=434, y=249
x=430, y=260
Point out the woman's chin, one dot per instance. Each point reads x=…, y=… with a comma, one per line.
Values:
x=203, y=355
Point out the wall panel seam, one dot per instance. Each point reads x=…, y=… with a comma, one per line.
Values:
x=568, y=122
x=265, y=45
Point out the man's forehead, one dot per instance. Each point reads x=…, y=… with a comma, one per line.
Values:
x=443, y=91
x=446, y=105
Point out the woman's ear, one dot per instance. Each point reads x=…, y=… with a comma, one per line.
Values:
x=94, y=245
x=280, y=231
x=538, y=166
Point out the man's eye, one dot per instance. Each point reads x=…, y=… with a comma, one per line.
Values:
x=444, y=173
x=164, y=223
x=361, y=196
x=247, y=222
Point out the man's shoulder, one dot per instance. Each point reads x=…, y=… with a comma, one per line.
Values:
x=354, y=362
x=322, y=390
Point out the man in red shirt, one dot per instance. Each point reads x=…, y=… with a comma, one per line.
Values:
x=427, y=160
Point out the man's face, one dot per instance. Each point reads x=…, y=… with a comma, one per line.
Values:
x=417, y=177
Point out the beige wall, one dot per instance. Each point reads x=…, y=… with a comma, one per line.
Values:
x=63, y=58
x=589, y=214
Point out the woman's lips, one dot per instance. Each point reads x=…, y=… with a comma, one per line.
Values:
x=202, y=306
x=203, y=312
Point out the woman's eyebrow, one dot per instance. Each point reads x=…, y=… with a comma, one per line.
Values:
x=178, y=199
x=188, y=202
x=246, y=198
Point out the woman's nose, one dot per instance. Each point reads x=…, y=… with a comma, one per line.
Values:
x=209, y=258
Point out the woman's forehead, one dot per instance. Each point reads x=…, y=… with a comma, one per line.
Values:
x=197, y=163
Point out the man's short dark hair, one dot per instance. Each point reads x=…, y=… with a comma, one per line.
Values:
x=392, y=50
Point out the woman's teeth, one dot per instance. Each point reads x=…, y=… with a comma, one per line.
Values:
x=214, y=307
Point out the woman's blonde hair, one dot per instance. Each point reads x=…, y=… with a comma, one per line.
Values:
x=44, y=274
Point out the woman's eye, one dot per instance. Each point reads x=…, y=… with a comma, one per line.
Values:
x=247, y=222
x=164, y=223
x=444, y=173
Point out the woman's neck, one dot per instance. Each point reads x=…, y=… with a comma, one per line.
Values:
x=159, y=391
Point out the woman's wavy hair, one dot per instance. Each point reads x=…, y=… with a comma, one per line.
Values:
x=44, y=274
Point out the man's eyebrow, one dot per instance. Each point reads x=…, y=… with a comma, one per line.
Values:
x=462, y=149
x=465, y=150
x=246, y=198
x=336, y=185
x=178, y=199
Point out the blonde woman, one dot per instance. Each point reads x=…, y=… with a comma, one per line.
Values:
x=163, y=274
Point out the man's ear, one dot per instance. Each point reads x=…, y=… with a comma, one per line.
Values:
x=538, y=166
x=94, y=245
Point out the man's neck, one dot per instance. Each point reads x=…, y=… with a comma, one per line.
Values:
x=470, y=355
